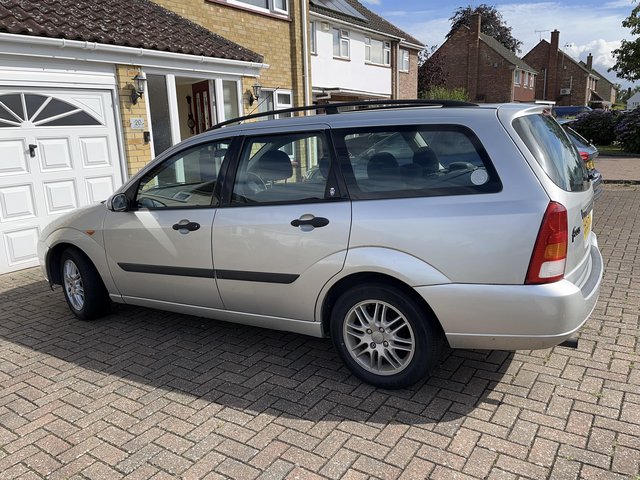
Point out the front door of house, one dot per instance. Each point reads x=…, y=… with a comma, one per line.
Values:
x=202, y=103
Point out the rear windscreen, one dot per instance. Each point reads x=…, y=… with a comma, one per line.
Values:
x=554, y=151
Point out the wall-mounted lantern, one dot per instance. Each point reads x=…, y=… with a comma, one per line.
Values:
x=255, y=95
x=139, y=87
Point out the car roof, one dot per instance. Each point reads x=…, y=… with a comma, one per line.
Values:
x=391, y=116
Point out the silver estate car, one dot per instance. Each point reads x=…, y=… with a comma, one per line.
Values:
x=420, y=225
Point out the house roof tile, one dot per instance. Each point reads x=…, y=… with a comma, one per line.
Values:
x=505, y=53
x=372, y=21
x=129, y=23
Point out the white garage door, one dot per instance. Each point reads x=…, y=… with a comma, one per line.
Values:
x=58, y=151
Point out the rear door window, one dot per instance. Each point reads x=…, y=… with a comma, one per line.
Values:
x=554, y=151
x=414, y=161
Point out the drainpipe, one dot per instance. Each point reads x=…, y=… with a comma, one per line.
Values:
x=305, y=53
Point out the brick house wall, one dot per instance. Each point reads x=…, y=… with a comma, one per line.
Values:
x=485, y=74
x=408, y=81
x=561, y=72
x=278, y=40
x=137, y=152
x=495, y=77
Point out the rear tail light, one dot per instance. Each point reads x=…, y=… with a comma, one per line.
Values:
x=550, y=251
x=584, y=156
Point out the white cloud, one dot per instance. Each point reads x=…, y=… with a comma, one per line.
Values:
x=372, y=2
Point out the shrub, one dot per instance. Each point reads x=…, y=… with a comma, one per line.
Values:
x=597, y=126
x=628, y=130
x=442, y=93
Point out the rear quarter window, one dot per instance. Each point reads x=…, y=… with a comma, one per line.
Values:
x=414, y=161
x=554, y=151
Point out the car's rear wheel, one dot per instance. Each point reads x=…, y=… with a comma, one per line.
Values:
x=384, y=336
x=86, y=295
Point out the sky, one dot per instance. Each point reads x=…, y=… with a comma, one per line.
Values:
x=586, y=26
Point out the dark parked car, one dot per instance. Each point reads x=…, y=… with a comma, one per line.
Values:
x=588, y=153
x=570, y=111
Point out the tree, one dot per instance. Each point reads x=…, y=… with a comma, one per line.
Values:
x=492, y=24
x=431, y=72
x=627, y=57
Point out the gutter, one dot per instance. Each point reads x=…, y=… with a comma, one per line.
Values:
x=146, y=56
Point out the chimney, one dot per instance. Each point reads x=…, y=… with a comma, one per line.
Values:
x=589, y=62
x=476, y=24
x=473, y=56
x=552, y=92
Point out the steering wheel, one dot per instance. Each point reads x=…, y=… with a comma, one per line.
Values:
x=255, y=183
x=147, y=202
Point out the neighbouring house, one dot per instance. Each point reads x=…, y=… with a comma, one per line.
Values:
x=634, y=101
x=484, y=68
x=71, y=130
x=605, y=89
x=562, y=79
x=358, y=55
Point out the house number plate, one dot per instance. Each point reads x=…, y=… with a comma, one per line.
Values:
x=137, y=123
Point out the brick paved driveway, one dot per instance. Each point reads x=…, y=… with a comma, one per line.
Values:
x=148, y=394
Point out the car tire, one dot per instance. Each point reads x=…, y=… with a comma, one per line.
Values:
x=384, y=336
x=83, y=288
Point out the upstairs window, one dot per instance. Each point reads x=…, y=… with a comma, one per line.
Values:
x=312, y=38
x=341, y=45
x=404, y=60
x=276, y=6
x=376, y=51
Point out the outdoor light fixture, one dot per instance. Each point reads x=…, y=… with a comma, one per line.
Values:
x=139, y=86
x=255, y=95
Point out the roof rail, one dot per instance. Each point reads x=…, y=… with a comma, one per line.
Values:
x=334, y=108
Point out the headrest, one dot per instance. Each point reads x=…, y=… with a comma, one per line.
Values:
x=427, y=159
x=273, y=165
x=382, y=165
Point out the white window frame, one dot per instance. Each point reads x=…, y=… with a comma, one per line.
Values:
x=385, y=53
x=516, y=77
x=344, y=42
x=405, y=60
x=525, y=80
x=313, y=38
x=532, y=80
x=271, y=6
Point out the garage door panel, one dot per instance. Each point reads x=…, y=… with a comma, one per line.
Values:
x=17, y=202
x=21, y=246
x=14, y=157
x=99, y=188
x=60, y=196
x=54, y=154
x=95, y=152
x=76, y=162
x=92, y=104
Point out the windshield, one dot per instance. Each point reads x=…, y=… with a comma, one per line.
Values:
x=554, y=151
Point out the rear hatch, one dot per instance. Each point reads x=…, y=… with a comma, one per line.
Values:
x=567, y=183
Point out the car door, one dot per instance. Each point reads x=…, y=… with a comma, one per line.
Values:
x=160, y=250
x=284, y=230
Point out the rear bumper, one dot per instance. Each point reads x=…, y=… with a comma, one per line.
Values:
x=515, y=317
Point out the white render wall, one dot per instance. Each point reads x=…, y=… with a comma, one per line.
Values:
x=634, y=101
x=353, y=74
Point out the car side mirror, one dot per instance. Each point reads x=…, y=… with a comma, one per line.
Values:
x=118, y=203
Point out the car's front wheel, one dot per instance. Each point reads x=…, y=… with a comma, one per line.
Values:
x=86, y=295
x=384, y=336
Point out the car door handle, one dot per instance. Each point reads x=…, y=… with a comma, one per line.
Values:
x=184, y=226
x=310, y=220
